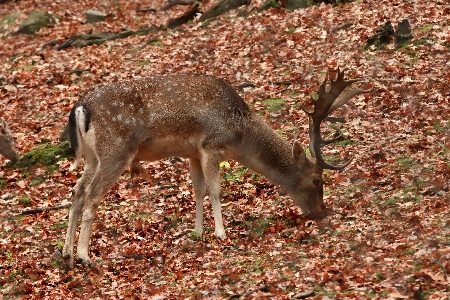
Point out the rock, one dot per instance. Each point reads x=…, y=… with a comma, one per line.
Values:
x=8, y=20
x=296, y=4
x=268, y=4
x=382, y=37
x=93, y=16
x=36, y=20
x=403, y=33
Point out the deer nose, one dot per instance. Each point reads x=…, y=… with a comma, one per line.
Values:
x=318, y=213
x=320, y=208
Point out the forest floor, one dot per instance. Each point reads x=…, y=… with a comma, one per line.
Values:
x=387, y=233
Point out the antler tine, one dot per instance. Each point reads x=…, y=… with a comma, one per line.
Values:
x=346, y=95
x=337, y=95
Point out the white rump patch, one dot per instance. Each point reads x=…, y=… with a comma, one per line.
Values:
x=86, y=139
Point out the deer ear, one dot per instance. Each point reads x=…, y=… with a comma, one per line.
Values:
x=297, y=151
x=3, y=125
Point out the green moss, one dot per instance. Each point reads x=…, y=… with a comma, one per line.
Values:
x=3, y=183
x=48, y=155
x=8, y=20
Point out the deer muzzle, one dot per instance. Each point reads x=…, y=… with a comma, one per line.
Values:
x=318, y=213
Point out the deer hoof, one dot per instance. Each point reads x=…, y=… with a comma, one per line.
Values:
x=221, y=235
x=87, y=263
x=69, y=261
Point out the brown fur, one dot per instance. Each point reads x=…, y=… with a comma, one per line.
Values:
x=7, y=148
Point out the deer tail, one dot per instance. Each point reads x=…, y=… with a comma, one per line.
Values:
x=79, y=121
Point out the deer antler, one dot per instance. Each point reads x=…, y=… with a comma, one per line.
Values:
x=332, y=95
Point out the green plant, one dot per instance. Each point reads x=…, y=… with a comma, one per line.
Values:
x=172, y=222
x=326, y=293
x=390, y=202
x=61, y=225
x=196, y=236
x=409, y=251
x=441, y=128
x=380, y=276
x=427, y=27
x=404, y=162
x=37, y=180
x=25, y=201
x=145, y=62
x=236, y=172
x=291, y=29
x=274, y=104
x=259, y=226
x=345, y=143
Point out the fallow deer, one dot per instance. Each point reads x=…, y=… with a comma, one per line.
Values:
x=7, y=148
x=194, y=116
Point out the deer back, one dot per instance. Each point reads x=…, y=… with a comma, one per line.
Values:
x=161, y=112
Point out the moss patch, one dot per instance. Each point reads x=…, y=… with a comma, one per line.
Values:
x=48, y=155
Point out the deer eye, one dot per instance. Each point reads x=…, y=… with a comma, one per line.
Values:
x=316, y=182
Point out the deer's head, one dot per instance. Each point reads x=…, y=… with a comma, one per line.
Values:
x=308, y=192
x=7, y=148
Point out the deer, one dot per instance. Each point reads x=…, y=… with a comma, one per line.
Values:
x=198, y=117
x=7, y=148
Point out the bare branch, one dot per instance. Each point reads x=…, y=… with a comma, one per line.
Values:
x=44, y=209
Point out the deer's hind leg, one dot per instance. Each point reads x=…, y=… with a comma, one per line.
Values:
x=107, y=173
x=210, y=162
x=199, y=185
x=78, y=199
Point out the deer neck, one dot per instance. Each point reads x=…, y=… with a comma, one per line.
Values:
x=264, y=151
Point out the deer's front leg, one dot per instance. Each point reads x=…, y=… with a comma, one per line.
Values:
x=210, y=162
x=198, y=182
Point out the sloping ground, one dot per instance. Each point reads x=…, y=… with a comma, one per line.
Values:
x=388, y=231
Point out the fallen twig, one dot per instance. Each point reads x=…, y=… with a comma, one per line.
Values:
x=246, y=85
x=261, y=289
x=147, y=9
x=303, y=295
x=177, y=2
x=43, y=209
